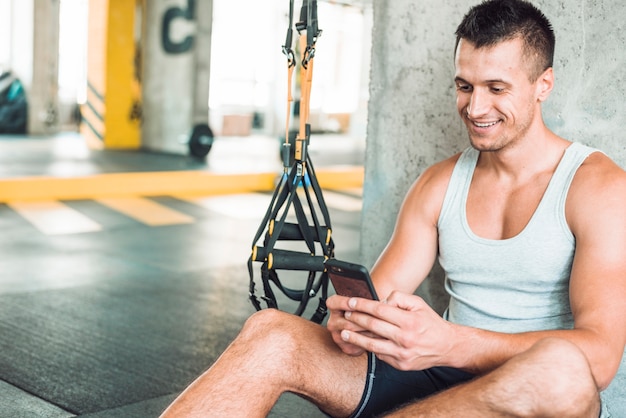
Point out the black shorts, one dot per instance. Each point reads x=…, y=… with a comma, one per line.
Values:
x=387, y=388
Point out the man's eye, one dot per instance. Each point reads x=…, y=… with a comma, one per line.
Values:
x=497, y=90
x=464, y=87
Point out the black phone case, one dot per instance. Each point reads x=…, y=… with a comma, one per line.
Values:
x=350, y=279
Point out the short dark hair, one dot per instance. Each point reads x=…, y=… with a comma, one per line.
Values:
x=495, y=21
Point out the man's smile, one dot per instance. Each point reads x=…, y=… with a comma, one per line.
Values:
x=484, y=124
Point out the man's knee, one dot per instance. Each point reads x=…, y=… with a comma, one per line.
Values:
x=563, y=359
x=263, y=319
x=267, y=323
x=273, y=331
x=564, y=377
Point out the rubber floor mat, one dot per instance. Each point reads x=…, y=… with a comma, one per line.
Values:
x=97, y=347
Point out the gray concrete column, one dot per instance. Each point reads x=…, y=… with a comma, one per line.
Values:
x=43, y=97
x=176, y=66
x=412, y=120
x=34, y=58
x=587, y=104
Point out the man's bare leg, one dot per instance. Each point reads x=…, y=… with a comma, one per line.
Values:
x=275, y=352
x=552, y=379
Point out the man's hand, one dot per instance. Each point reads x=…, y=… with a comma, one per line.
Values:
x=402, y=330
x=337, y=323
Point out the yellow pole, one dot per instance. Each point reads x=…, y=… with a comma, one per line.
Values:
x=109, y=116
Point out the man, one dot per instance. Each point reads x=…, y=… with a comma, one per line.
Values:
x=530, y=230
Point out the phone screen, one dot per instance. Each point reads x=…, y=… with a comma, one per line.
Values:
x=350, y=279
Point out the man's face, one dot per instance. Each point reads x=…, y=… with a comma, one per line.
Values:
x=495, y=98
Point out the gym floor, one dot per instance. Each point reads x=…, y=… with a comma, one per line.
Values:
x=109, y=306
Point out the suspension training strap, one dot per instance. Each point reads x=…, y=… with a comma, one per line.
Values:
x=285, y=196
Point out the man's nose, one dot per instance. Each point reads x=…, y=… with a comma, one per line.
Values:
x=479, y=104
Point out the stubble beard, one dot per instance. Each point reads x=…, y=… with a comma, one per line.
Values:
x=504, y=140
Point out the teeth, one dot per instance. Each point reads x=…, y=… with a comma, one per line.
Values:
x=484, y=125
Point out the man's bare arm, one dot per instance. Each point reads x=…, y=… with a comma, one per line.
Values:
x=412, y=249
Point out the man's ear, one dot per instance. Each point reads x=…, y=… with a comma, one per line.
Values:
x=545, y=84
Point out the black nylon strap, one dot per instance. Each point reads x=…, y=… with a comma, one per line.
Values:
x=284, y=198
x=303, y=223
x=317, y=190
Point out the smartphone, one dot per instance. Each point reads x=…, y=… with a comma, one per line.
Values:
x=350, y=279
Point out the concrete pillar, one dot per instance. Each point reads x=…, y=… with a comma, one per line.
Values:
x=412, y=115
x=176, y=66
x=33, y=57
x=43, y=98
x=412, y=119
x=587, y=104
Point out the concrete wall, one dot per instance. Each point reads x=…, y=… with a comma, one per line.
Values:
x=412, y=119
x=33, y=44
x=412, y=115
x=43, y=104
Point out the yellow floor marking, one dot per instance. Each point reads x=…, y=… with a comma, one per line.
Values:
x=54, y=218
x=146, y=211
x=127, y=184
x=340, y=178
x=162, y=184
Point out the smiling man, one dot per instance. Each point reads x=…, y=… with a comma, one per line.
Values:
x=498, y=92
x=530, y=230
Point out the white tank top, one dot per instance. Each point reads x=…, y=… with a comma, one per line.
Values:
x=517, y=284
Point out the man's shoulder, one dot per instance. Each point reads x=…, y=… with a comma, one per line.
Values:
x=598, y=169
x=430, y=187
x=442, y=170
x=438, y=175
x=599, y=182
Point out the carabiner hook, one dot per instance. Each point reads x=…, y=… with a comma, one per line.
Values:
x=291, y=58
x=309, y=54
